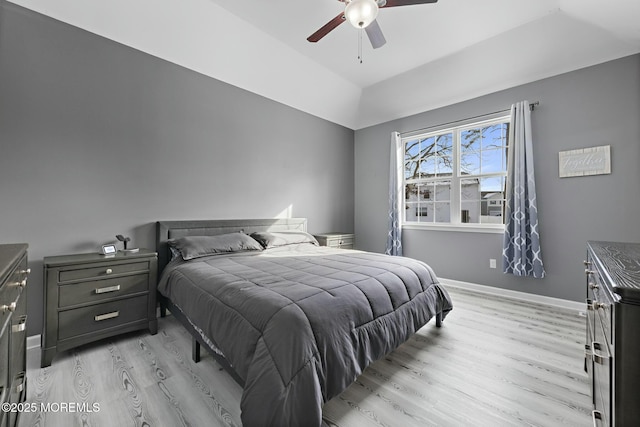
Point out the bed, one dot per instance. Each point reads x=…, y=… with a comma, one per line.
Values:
x=293, y=322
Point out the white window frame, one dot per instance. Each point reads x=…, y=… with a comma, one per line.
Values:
x=455, y=223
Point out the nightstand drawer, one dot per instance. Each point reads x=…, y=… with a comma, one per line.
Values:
x=103, y=271
x=344, y=242
x=79, y=321
x=98, y=290
x=336, y=240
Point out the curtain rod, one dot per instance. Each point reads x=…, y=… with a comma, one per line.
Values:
x=532, y=107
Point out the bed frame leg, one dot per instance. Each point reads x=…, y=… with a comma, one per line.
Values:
x=195, y=350
x=439, y=319
x=163, y=306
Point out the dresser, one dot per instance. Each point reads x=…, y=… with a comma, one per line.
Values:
x=612, y=345
x=336, y=240
x=13, y=331
x=88, y=297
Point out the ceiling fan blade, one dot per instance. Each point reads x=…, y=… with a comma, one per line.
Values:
x=394, y=3
x=375, y=35
x=326, y=28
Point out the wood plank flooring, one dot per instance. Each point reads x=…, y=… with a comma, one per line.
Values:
x=493, y=363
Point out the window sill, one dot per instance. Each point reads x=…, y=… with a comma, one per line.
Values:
x=465, y=228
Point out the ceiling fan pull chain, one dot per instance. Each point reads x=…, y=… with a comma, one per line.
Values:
x=360, y=45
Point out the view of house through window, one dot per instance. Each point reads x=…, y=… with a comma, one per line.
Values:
x=457, y=175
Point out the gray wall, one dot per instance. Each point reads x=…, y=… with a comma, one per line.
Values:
x=99, y=139
x=599, y=105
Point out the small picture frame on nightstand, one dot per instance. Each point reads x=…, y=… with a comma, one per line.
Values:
x=108, y=250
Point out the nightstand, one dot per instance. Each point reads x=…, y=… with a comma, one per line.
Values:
x=336, y=240
x=88, y=297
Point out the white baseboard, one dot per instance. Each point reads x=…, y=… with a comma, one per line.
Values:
x=576, y=306
x=33, y=342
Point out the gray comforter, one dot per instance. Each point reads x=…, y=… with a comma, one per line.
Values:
x=299, y=323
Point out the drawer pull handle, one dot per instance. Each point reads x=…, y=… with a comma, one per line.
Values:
x=588, y=272
x=599, y=305
x=21, y=326
x=595, y=305
x=596, y=416
x=593, y=285
x=27, y=271
x=106, y=316
x=108, y=271
x=587, y=352
x=586, y=263
x=10, y=307
x=598, y=358
x=19, y=379
x=107, y=289
x=22, y=283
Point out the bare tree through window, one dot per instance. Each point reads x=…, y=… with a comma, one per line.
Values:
x=458, y=175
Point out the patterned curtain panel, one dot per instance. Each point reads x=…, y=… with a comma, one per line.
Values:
x=521, y=255
x=394, y=238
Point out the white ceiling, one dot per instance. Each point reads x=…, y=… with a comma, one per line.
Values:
x=436, y=54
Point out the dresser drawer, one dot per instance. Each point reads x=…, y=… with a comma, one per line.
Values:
x=13, y=303
x=18, y=361
x=103, y=271
x=602, y=372
x=601, y=308
x=18, y=278
x=4, y=363
x=11, y=290
x=79, y=321
x=8, y=300
x=99, y=290
x=588, y=353
x=19, y=344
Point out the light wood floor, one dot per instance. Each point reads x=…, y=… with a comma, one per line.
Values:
x=493, y=363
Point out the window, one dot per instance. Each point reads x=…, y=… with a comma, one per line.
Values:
x=457, y=176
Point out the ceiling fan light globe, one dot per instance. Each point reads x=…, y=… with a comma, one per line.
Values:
x=361, y=13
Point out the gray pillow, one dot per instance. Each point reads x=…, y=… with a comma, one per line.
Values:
x=191, y=247
x=282, y=238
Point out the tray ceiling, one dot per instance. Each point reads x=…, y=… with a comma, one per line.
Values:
x=436, y=54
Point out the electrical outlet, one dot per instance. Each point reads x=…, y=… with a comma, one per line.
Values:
x=492, y=263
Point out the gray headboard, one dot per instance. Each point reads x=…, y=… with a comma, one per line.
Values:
x=166, y=230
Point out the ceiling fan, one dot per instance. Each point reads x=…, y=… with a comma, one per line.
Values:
x=362, y=14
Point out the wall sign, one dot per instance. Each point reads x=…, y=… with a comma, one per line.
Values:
x=585, y=161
